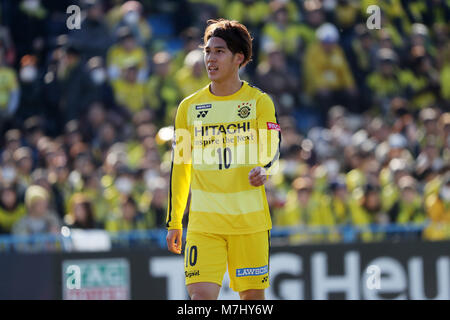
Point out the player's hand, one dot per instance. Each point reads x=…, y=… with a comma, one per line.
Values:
x=174, y=239
x=257, y=176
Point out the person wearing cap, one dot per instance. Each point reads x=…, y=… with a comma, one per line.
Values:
x=420, y=81
x=408, y=209
x=161, y=90
x=428, y=120
x=420, y=36
x=123, y=52
x=366, y=210
x=437, y=207
x=327, y=76
x=23, y=158
x=39, y=219
x=192, y=76
x=338, y=201
x=274, y=77
x=362, y=60
x=131, y=14
x=71, y=85
x=383, y=82
x=390, y=175
x=129, y=92
x=93, y=38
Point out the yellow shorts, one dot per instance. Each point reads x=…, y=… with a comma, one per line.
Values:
x=206, y=256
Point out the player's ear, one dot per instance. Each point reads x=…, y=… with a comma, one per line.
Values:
x=239, y=58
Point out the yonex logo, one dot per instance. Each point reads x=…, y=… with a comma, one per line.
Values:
x=203, y=106
x=202, y=114
x=246, y=272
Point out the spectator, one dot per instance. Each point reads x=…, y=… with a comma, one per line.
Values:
x=100, y=90
x=338, y=202
x=39, y=219
x=124, y=53
x=67, y=87
x=161, y=90
x=302, y=209
x=192, y=76
x=81, y=213
x=30, y=83
x=106, y=136
x=128, y=91
x=282, y=33
x=128, y=218
x=131, y=15
x=12, y=208
x=24, y=163
x=158, y=206
x=384, y=82
x=9, y=93
x=408, y=208
x=438, y=211
x=191, y=40
x=7, y=46
x=362, y=59
x=12, y=141
x=28, y=27
x=421, y=80
x=8, y=174
x=327, y=77
x=274, y=77
x=251, y=13
x=93, y=38
x=367, y=211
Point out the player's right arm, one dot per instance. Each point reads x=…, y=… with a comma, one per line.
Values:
x=180, y=179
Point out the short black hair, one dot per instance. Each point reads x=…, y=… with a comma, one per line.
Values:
x=235, y=34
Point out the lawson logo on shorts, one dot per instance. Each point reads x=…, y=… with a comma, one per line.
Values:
x=246, y=272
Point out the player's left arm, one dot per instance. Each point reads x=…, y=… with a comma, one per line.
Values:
x=269, y=139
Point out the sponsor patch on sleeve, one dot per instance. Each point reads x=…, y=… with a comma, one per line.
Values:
x=273, y=126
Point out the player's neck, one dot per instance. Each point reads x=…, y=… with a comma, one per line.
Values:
x=226, y=88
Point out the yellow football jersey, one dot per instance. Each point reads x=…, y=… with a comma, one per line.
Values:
x=218, y=140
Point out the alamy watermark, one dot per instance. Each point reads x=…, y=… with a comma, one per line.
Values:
x=373, y=280
x=226, y=146
x=374, y=19
x=74, y=20
x=73, y=280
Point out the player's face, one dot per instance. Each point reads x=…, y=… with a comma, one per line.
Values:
x=221, y=64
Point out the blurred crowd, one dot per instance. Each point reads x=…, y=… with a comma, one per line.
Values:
x=86, y=114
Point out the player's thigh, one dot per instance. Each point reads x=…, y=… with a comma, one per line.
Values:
x=248, y=261
x=205, y=258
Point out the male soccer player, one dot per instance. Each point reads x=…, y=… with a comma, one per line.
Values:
x=226, y=141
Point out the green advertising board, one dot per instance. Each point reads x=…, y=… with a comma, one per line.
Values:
x=96, y=279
